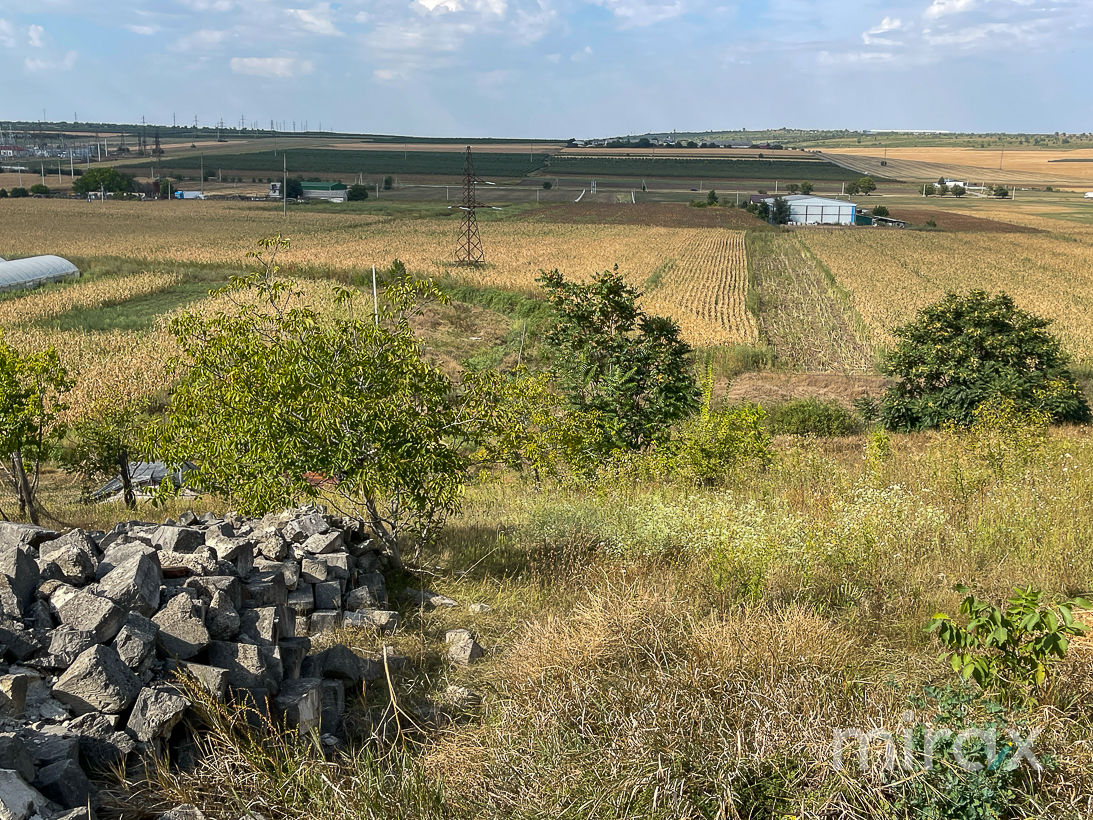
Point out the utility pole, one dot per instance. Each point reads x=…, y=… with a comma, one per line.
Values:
x=284, y=184
x=203, y=175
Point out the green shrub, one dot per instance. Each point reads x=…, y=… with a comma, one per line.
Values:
x=1008, y=650
x=965, y=350
x=39, y=189
x=881, y=210
x=812, y=417
x=713, y=444
x=982, y=780
x=19, y=193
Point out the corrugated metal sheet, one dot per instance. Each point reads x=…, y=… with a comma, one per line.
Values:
x=34, y=271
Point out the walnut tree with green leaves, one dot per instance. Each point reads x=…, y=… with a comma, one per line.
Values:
x=969, y=349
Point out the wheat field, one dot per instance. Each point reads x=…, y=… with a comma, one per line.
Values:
x=891, y=274
x=710, y=263
x=703, y=285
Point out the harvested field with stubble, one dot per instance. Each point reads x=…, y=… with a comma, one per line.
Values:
x=890, y=274
x=803, y=312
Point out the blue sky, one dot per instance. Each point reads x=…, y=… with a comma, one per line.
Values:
x=554, y=68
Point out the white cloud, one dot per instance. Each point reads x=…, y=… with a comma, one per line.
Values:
x=144, y=31
x=532, y=25
x=974, y=35
x=887, y=26
x=583, y=54
x=496, y=8
x=386, y=75
x=941, y=8
x=34, y=36
x=317, y=20
x=362, y=17
x=271, y=66
x=643, y=12
x=209, y=5
x=854, y=57
x=7, y=34
x=201, y=40
x=64, y=63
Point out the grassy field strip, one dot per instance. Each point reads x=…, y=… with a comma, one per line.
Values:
x=35, y=306
x=802, y=314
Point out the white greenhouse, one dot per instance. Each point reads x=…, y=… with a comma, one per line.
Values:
x=35, y=271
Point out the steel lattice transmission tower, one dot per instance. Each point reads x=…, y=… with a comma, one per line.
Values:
x=469, y=251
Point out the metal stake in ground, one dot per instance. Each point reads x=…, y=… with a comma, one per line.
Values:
x=469, y=251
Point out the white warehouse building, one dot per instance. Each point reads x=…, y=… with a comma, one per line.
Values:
x=818, y=210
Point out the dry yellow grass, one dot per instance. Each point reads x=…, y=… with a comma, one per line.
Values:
x=890, y=274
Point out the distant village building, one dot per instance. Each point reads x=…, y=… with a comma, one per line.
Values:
x=8, y=151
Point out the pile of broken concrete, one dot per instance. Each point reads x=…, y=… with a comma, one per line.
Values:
x=96, y=630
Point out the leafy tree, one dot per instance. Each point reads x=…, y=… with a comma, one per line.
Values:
x=793, y=187
x=102, y=443
x=940, y=181
x=807, y=187
x=852, y=188
x=39, y=189
x=711, y=197
x=881, y=210
x=31, y=387
x=19, y=193
x=780, y=211
x=356, y=193
x=630, y=371
x=958, y=190
x=547, y=184
x=275, y=392
x=930, y=190
x=866, y=185
x=942, y=190
x=1001, y=191
x=103, y=179
x=388, y=182
x=966, y=350
x=294, y=188
x=3, y=193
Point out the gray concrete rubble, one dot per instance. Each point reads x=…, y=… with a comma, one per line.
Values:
x=107, y=638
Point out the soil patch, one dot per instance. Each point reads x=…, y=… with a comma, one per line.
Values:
x=949, y=221
x=778, y=388
x=660, y=214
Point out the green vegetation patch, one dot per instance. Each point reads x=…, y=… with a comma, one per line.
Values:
x=138, y=313
x=331, y=161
